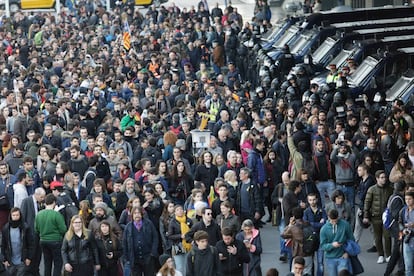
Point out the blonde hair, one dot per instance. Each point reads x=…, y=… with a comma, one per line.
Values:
x=228, y=174
x=244, y=136
x=69, y=234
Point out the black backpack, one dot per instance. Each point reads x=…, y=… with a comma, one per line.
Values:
x=69, y=209
x=310, y=240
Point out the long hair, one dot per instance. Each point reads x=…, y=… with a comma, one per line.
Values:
x=267, y=159
x=84, y=211
x=165, y=216
x=407, y=166
x=69, y=234
x=111, y=233
x=166, y=271
x=201, y=158
x=157, y=167
x=175, y=172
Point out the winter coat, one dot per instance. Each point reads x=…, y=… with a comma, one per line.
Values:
x=149, y=246
x=203, y=262
x=213, y=230
x=106, y=245
x=396, y=175
x=256, y=165
x=295, y=233
x=253, y=267
x=376, y=201
x=296, y=158
x=87, y=250
x=231, y=221
x=255, y=202
x=26, y=239
x=233, y=264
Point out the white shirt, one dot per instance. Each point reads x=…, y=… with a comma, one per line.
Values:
x=20, y=193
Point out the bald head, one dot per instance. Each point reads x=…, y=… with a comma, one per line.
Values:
x=285, y=177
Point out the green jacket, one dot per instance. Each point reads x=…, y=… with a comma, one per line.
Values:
x=343, y=233
x=376, y=201
x=127, y=121
x=50, y=225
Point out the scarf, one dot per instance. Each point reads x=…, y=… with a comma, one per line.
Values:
x=184, y=229
x=344, y=162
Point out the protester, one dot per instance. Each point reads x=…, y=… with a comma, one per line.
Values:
x=333, y=235
x=109, y=249
x=17, y=244
x=251, y=239
x=79, y=250
x=50, y=226
x=233, y=253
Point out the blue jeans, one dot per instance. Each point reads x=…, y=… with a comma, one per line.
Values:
x=180, y=263
x=349, y=192
x=51, y=253
x=319, y=257
x=283, y=249
x=325, y=187
x=408, y=252
x=126, y=268
x=334, y=265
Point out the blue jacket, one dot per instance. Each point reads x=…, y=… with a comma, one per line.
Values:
x=342, y=234
x=315, y=218
x=150, y=245
x=255, y=164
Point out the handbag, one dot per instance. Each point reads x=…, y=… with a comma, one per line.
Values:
x=177, y=249
x=356, y=265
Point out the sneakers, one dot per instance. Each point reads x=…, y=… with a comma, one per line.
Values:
x=381, y=260
x=373, y=249
x=388, y=259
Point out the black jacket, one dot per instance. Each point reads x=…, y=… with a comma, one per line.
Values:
x=105, y=245
x=149, y=247
x=174, y=230
x=213, y=230
x=86, y=251
x=206, y=175
x=233, y=264
x=255, y=202
x=26, y=239
x=203, y=262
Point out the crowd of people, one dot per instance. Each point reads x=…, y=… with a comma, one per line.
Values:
x=100, y=174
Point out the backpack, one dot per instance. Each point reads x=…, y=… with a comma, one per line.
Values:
x=387, y=219
x=192, y=253
x=310, y=240
x=87, y=173
x=69, y=209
